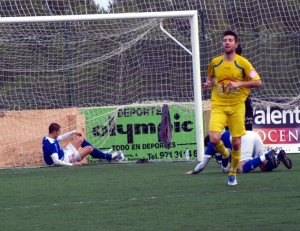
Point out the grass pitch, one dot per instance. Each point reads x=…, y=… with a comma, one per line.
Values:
x=153, y=196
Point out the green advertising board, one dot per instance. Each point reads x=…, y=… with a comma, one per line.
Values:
x=135, y=131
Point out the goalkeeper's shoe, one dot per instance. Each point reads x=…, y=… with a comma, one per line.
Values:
x=232, y=180
x=118, y=156
x=282, y=156
x=121, y=156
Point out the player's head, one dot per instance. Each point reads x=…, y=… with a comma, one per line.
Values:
x=231, y=33
x=230, y=41
x=54, y=129
x=239, y=49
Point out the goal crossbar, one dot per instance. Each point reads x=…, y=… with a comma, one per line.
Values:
x=193, y=19
x=95, y=17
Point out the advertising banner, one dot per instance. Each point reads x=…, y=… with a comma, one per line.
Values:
x=278, y=128
x=135, y=131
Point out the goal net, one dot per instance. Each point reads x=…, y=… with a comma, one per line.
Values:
x=108, y=75
x=111, y=77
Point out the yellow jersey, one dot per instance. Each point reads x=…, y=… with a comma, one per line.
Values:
x=223, y=72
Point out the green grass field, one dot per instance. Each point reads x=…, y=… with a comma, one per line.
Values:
x=153, y=196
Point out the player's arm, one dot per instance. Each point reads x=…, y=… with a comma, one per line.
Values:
x=59, y=162
x=209, y=81
x=68, y=134
x=248, y=84
x=209, y=152
x=201, y=166
x=211, y=76
x=252, y=78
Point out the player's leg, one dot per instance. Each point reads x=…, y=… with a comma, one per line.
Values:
x=237, y=129
x=217, y=124
x=72, y=154
x=273, y=162
x=267, y=162
x=250, y=165
x=270, y=160
x=87, y=148
x=241, y=166
x=235, y=155
x=77, y=142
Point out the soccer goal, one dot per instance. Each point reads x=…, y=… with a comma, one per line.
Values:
x=106, y=74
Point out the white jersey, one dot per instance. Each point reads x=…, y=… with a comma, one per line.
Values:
x=252, y=146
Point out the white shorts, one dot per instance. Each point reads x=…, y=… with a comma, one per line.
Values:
x=252, y=146
x=71, y=154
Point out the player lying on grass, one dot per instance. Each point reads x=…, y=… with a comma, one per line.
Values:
x=74, y=152
x=253, y=155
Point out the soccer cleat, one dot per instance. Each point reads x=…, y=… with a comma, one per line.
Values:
x=226, y=162
x=272, y=157
x=232, y=180
x=114, y=156
x=118, y=156
x=121, y=156
x=284, y=159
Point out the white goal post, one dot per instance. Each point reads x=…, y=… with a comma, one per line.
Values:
x=195, y=51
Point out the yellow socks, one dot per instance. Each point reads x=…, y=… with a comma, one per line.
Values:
x=221, y=149
x=235, y=159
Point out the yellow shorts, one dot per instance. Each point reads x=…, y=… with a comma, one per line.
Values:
x=233, y=116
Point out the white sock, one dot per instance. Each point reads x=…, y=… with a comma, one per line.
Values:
x=262, y=158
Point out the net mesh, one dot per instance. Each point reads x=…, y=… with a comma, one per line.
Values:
x=45, y=53
x=83, y=64
x=66, y=65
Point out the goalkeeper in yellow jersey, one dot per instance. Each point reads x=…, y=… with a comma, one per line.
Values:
x=232, y=77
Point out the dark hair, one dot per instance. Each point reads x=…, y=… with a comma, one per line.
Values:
x=54, y=127
x=238, y=50
x=229, y=32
